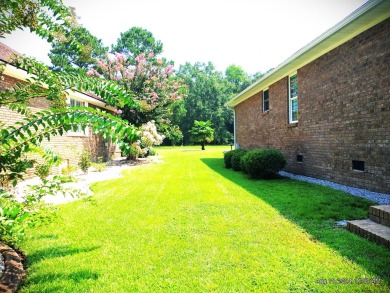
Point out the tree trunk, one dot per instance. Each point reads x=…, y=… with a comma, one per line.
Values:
x=203, y=146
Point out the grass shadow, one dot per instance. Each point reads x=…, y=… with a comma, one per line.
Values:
x=52, y=281
x=316, y=209
x=59, y=251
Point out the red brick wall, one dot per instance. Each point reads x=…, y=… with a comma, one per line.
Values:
x=344, y=114
x=68, y=147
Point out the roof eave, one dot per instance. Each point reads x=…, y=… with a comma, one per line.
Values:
x=368, y=15
x=20, y=74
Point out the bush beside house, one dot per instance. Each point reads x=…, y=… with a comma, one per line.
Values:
x=257, y=163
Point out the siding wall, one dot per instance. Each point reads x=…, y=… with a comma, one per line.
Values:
x=344, y=114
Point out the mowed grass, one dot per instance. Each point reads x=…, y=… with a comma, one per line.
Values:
x=190, y=225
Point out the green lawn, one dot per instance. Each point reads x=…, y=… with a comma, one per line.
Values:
x=190, y=225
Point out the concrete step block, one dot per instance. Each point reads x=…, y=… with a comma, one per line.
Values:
x=369, y=229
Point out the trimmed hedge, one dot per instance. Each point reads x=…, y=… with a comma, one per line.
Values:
x=227, y=157
x=263, y=163
x=236, y=159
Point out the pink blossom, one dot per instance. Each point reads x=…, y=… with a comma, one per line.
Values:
x=118, y=76
x=170, y=69
x=120, y=57
x=129, y=74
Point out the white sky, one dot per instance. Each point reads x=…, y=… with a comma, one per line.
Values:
x=254, y=34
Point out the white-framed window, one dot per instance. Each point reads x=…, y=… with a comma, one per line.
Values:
x=265, y=100
x=79, y=131
x=293, y=98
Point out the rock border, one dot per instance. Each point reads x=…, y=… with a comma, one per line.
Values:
x=14, y=272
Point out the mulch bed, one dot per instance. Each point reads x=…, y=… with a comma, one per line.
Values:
x=13, y=273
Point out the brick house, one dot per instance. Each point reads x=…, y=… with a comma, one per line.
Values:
x=71, y=144
x=327, y=107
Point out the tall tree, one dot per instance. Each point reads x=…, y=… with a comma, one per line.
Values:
x=237, y=78
x=136, y=41
x=65, y=58
x=205, y=100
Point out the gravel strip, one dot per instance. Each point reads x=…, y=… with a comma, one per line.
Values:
x=380, y=198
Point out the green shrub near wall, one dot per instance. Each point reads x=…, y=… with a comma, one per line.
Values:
x=227, y=157
x=236, y=159
x=263, y=163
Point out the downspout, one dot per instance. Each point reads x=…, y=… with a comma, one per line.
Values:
x=234, y=128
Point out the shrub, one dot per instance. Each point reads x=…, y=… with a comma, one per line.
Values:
x=68, y=170
x=152, y=152
x=227, y=157
x=263, y=163
x=236, y=159
x=85, y=161
x=99, y=166
x=42, y=170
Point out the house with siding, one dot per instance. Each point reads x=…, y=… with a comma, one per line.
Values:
x=71, y=144
x=327, y=107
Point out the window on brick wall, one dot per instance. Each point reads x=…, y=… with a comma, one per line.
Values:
x=78, y=130
x=293, y=99
x=266, y=100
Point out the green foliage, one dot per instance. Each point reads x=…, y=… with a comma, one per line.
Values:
x=202, y=132
x=208, y=92
x=152, y=152
x=46, y=123
x=136, y=41
x=50, y=158
x=227, y=157
x=49, y=19
x=99, y=166
x=65, y=58
x=17, y=214
x=42, y=170
x=236, y=158
x=85, y=161
x=174, y=135
x=263, y=163
x=68, y=170
x=134, y=151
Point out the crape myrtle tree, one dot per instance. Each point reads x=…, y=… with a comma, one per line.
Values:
x=157, y=91
x=202, y=132
x=51, y=20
